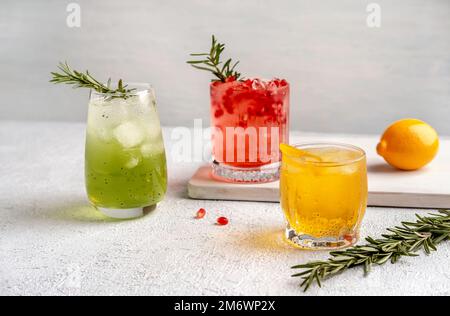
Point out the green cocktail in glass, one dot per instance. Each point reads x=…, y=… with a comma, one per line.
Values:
x=125, y=159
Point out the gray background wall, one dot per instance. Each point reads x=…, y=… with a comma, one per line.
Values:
x=345, y=76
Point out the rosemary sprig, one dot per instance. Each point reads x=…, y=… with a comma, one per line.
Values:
x=85, y=80
x=211, y=62
x=404, y=240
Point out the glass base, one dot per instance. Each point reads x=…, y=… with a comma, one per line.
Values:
x=127, y=213
x=308, y=242
x=265, y=173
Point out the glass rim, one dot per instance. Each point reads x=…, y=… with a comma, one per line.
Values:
x=362, y=153
x=142, y=88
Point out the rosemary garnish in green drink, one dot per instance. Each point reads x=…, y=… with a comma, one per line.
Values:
x=211, y=62
x=85, y=80
x=404, y=240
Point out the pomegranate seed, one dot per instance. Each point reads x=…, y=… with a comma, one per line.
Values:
x=218, y=113
x=222, y=221
x=230, y=79
x=201, y=213
x=248, y=82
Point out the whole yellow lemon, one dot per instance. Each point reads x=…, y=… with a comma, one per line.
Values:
x=408, y=144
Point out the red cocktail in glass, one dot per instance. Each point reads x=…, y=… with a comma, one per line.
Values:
x=249, y=120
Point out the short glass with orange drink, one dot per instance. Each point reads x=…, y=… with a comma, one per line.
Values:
x=323, y=194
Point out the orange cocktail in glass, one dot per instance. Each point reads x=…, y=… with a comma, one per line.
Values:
x=323, y=194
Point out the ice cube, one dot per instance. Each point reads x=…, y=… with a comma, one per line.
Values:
x=153, y=131
x=146, y=101
x=149, y=149
x=258, y=84
x=274, y=83
x=132, y=162
x=129, y=134
x=108, y=113
x=152, y=125
x=103, y=133
x=348, y=169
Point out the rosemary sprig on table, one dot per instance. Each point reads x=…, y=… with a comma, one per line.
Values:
x=404, y=240
x=85, y=80
x=211, y=62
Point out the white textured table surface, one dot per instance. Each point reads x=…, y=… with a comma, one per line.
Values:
x=53, y=242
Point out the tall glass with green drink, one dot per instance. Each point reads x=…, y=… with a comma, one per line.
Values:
x=125, y=159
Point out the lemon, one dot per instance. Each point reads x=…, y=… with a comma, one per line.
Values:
x=408, y=144
x=294, y=152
